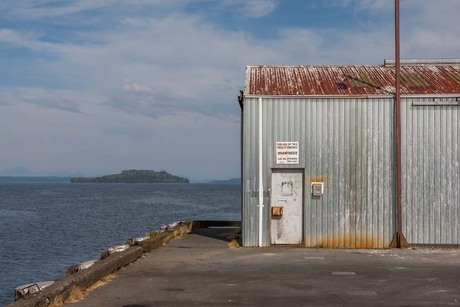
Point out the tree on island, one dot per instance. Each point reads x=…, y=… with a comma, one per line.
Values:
x=133, y=176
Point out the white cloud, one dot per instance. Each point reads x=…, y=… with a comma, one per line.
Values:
x=16, y=38
x=177, y=61
x=250, y=8
x=374, y=6
x=35, y=9
x=258, y=8
x=28, y=40
x=430, y=28
x=136, y=87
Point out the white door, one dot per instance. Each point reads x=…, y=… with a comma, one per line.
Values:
x=286, y=206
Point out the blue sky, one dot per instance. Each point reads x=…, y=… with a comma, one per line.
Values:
x=98, y=86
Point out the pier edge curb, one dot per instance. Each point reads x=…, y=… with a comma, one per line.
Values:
x=85, y=278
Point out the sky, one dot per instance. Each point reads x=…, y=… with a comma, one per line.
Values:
x=99, y=86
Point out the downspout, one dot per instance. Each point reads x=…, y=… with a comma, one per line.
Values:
x=241, y=103
x=261, y=185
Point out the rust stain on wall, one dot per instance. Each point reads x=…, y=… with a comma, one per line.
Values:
x=350, y=240
x=317, y=179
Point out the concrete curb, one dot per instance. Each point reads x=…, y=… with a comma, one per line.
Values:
x=162, y=238
x=85, y=278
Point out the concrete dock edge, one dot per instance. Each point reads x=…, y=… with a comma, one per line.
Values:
x=83, y=279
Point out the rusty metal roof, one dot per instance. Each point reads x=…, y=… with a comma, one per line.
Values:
x=352, y=80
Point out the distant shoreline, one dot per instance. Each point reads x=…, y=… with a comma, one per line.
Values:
x=57, y=179
x=228, y=181
x=34, y=179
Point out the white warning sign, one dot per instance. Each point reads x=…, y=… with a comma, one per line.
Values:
x=287, y=152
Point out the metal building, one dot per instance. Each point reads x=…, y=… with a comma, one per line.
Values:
x=318, y=154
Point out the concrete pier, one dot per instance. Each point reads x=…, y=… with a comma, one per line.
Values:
x=200, y=269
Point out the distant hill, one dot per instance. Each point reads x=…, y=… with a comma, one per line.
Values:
x=228, y=181
x=133, y=176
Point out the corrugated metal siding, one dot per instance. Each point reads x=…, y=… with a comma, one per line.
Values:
x=250, y=181
x=431, y=173
x=351, y=80
x=345, y=142
x=350, y=144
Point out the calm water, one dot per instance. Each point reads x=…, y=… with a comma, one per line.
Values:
x=45, y=228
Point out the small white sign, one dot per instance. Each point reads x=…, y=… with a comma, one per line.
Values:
x=287, y=152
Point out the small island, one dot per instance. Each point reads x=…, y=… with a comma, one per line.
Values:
x=133, y=176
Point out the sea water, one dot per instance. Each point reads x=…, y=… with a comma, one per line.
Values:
x=45, y=228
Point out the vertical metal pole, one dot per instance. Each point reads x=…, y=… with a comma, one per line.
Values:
x=398, y=239
x=398, y=119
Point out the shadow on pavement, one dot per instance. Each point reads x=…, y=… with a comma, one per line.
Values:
x=226, y=234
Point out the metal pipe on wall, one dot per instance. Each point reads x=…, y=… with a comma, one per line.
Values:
x=241, y=103
x=261, y=184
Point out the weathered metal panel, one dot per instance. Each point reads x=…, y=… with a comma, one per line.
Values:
x=346, y=143
x=250, y=223
x=431, y=172
x=349, y=147
x=351, y=80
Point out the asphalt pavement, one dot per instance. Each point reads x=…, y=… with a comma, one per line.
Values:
x=200, y=269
